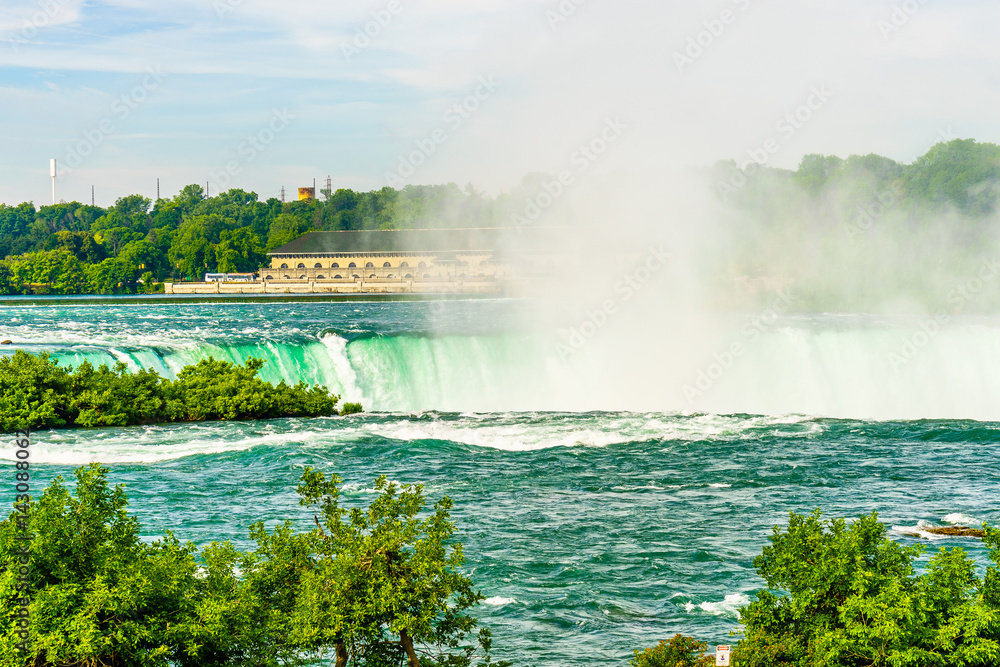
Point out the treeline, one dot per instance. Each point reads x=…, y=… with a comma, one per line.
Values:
x=37, y=393
x=862, y=234
x=373, y=586
x=73, y=248
x=960, y=175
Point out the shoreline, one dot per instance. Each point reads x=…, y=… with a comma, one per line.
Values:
x=188, y=299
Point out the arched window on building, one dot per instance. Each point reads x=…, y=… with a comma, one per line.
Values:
x=356, y=276
x=390, y=276
x=372, y=275
x=387, y=265
x=404, y=265
x=369, y=265
x=320, y=278
x=318, y=266
x=288, y=277
x=335, y=265
x=352, y=265
x=337, y=277
x=409, y=276
x=269, y=278
x=421, y=265
x=300, y=266
x=302, y=277
x=284, y=266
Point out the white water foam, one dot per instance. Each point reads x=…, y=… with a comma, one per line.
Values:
x=533, y=431
x=959, y=519
x=153, y=444
x=919, y=530
x=729, y=606
x=497, y=601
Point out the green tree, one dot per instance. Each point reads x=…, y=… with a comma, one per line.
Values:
x=285, y=229
x=847, y=596
x=191, y=251
x=386, y=585
x=239, y=251
x=678, y=651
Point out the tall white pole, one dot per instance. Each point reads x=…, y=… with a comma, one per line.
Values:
x=52, y=172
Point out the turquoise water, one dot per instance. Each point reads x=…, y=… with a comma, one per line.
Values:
x=592, y=530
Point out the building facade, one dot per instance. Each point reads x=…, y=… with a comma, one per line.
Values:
x=400, y=255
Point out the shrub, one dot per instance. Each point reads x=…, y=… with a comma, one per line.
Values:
x=679, y=651
x=848, y=596
x=35, y=392
x=367, y=585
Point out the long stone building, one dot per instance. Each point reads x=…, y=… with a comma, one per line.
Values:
x=411, y=254
x=396, y=261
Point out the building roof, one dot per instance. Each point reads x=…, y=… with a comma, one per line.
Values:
x=401, y=240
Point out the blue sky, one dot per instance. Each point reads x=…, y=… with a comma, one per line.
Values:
x=259, y=94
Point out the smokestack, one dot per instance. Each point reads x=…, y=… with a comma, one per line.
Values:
x=52, y=173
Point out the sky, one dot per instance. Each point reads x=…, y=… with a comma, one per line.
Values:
x=261, y=95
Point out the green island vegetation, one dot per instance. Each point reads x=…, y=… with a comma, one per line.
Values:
x=788, y=219
x=373, y=586
x=382, y=586
x=37, y=393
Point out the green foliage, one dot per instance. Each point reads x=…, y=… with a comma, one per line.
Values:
x=100, y=595
x=386, y=585
x=679, y=651
x=351, y=409
x=35, y=392
x=191, y=234
x=847, y=596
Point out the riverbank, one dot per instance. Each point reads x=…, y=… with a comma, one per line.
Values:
x=360, y=286
x=188, y=299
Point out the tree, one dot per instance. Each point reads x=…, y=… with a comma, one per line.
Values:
x=847, y=596
x=679, y=651
x=98, y=594
x=191, y=251
x=285, y=229
x=239, y=251
x=385, y=585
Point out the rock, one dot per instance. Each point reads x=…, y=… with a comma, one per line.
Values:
x=7, y=342
x=956, y=531
x=950, y=531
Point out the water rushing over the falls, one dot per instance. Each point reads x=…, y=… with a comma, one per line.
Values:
x=420, y=356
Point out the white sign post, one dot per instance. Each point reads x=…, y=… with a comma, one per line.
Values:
x=722, y=655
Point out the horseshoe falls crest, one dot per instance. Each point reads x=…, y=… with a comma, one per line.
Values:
x=612, y=484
